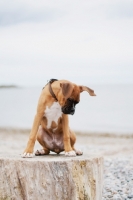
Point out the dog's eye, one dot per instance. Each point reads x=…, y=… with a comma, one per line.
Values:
x=72, y=101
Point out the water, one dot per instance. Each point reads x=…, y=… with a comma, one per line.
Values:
x=110, y=111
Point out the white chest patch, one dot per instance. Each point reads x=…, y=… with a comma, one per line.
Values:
x=53, y=113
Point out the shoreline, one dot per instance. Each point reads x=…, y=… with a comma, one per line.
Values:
x=8, y=86
x=80, y=133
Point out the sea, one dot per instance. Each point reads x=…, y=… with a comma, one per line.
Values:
x=111, y=111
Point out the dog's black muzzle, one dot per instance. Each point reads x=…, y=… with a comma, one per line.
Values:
x=69, y=107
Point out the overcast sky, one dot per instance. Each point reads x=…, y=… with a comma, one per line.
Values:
x=82, y=41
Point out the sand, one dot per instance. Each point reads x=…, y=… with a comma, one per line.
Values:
x=116, y=149
x=13, y=141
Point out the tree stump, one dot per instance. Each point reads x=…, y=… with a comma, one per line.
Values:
x=52, y=177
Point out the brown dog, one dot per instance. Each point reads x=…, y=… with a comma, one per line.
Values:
x=51, y=125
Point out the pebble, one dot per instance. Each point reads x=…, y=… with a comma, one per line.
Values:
x=118, y=178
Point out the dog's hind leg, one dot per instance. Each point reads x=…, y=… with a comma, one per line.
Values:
x=40, y=136
x=73, y=140
x=42, y=152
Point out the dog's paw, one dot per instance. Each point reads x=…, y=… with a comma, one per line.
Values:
x=78, y=152
x=27, y=155
x=41, y=152
x=70, y=154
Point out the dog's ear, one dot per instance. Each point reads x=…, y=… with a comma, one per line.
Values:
x=67, y=89
x=89, y=90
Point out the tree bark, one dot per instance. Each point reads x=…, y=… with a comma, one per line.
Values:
x=52, y=177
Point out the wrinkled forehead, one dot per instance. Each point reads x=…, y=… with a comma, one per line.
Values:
x=76, y=93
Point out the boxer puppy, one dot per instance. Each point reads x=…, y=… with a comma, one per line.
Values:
x=51, y=126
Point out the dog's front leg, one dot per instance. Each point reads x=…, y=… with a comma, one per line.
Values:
x=28, y=152
x=66, y=136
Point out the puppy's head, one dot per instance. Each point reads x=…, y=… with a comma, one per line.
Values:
x=71, y=96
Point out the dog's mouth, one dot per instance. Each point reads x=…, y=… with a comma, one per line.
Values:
x=69, y=107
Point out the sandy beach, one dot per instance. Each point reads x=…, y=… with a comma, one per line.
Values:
x=13, y=141
x=117, y=151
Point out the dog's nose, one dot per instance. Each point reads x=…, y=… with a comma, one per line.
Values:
x=72, y=111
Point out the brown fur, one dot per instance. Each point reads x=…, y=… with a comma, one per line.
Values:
x=64, y=137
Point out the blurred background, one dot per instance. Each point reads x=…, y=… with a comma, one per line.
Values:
x=87, y=42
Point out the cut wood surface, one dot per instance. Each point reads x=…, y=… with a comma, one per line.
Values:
x=52, y=177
